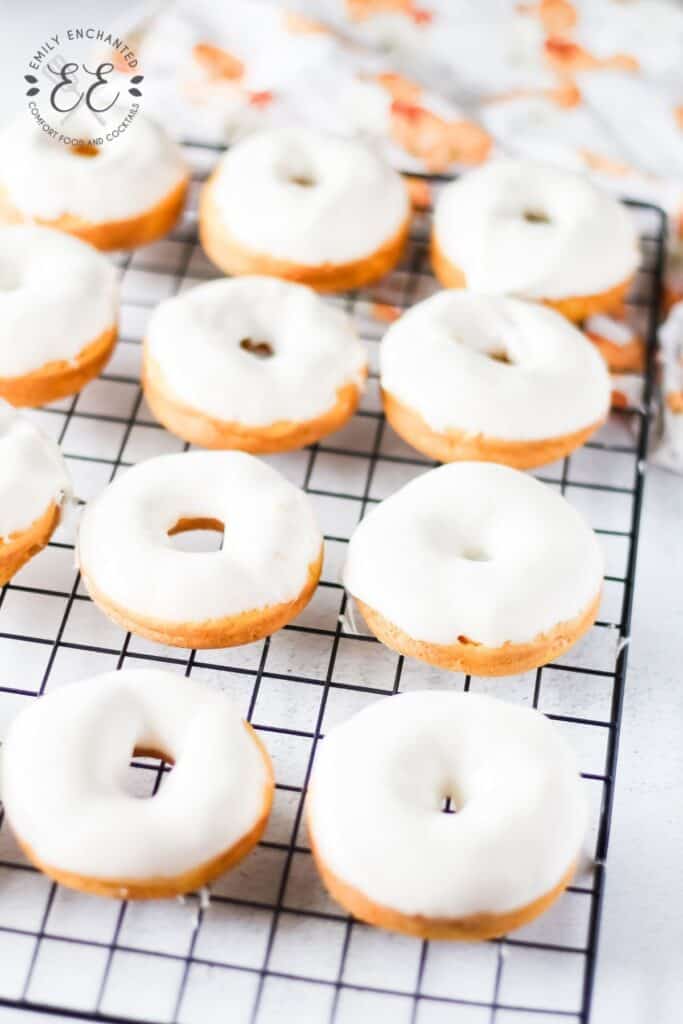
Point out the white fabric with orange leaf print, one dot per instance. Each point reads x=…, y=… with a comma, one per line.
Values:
x=592, y=85
x=439, y=85
x=253, y=65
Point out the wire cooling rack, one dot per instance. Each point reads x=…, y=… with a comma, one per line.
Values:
x=267, y=944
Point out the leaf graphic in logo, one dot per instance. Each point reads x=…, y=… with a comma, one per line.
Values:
x=31, y=79
x=137, y=79
x=135, y=92
x=32, y=92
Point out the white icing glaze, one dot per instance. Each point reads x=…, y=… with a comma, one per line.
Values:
x=379, y=784
x=57, y=295
x=588, y=245
x=271, y=537
x=33, y=474
x=616, y=331
x=195, y=340
x=438, y=359
x=65, y=764
x=475, y=549
x=355, y=204
x=130, y=174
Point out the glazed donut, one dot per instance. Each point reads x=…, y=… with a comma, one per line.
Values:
x=64, y=784
x=311, y=208
x=33, y=486
x=389, y=855
x=125, y=193
x=515, y=227
x=58, y=314
x=478, y=568
x=252, y=363
x=469, y=376
x=619, y=345
x=262, y=577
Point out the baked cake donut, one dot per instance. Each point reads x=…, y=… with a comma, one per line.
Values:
x=58, y=314
x=515, y=227
x=391, y=857
x=620, y=346
x=65, y=764
x=264, y=574
x=33, y=486
x=312, y=208
x=252, y=363
x=477, y=568
x=470, y=376
x=125, y=193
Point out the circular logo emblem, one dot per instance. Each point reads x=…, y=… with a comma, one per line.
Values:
x=83, y=87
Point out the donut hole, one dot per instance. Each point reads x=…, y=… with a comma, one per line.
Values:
x=297, y=171
x=536, y=216
x=196, y=534
x=448, y=805
x=302, y=180
x=486, y=346
x=85, y=149
x=147, y=771
x=260, y=349
x=473, y=553
x=501, y=356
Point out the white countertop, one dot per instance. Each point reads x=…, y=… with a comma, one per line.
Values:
x=639, y=966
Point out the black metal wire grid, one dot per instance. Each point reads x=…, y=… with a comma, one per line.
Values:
x=270, y=945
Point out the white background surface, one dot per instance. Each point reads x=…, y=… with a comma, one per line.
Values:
x=639, y=975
